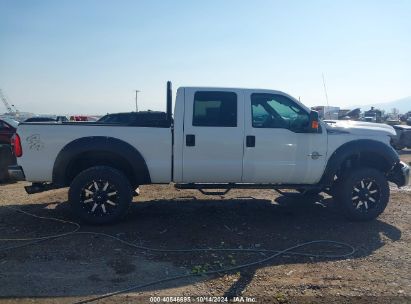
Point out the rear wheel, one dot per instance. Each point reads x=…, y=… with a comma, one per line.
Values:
x=363, y=194
x=100, y=195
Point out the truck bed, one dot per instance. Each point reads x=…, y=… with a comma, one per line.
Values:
x=41, y=143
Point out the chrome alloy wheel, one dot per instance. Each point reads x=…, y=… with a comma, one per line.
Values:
x=365, y=195
x=99, y=198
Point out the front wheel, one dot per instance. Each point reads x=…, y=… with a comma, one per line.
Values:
x=100, y=195
x=363, y=194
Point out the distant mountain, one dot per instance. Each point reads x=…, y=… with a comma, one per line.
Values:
x=403, y=105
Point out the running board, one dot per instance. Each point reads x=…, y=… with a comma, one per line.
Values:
x=39, y=187
x=214, y=192
x=229, y=186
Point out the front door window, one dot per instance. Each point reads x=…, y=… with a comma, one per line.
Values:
x=278, y=111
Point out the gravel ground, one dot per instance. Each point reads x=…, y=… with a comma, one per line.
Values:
x=78, y=267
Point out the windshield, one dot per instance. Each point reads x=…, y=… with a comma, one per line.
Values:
x=11, y=122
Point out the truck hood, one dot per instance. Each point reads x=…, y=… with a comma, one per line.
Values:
x=359, y=127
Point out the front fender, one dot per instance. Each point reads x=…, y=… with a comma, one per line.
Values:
x=356, y=148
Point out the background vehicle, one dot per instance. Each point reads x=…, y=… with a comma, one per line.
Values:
x=370, y=118
x=142, y=118
x=61, y=118
x=8, y=127
x=43, y=119
x=47, y=119
x=80, y=118
x=221, y=138
x=40, y=119
x=402, y=139
x=7, y=159
x=392, y=121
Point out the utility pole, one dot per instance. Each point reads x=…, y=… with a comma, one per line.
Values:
x=136, y=100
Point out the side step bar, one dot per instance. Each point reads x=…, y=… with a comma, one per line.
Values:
x=229, y=186
x=39, y=187
x=242, y=186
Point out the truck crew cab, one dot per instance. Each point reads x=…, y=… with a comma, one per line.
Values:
x=219, y=138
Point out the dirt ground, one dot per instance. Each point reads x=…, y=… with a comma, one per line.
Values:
x=83, y=266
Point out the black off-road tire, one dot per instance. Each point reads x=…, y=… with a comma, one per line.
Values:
x=98, y=186
x=363, y=194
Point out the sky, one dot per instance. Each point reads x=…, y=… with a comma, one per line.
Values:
x=88, y=56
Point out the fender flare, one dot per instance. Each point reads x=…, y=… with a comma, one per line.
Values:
x=111, y=145
x=354, y=148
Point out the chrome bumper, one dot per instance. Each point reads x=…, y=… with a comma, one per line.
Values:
x=16, y=173
x=400, y=174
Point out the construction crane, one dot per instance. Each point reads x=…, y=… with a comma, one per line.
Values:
x=6, y=104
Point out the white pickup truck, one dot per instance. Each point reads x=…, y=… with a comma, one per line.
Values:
x=218, y=138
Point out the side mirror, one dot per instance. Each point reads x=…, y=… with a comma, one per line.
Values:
x=314, y=122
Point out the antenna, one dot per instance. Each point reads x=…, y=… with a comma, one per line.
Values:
x=326, y=96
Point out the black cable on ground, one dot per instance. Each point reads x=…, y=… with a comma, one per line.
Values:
x=230, y=269
x=37, y=240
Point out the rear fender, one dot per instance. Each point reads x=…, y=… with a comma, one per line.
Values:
x=99, y=144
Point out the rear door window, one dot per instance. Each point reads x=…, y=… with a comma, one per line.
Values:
x=215, y=109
